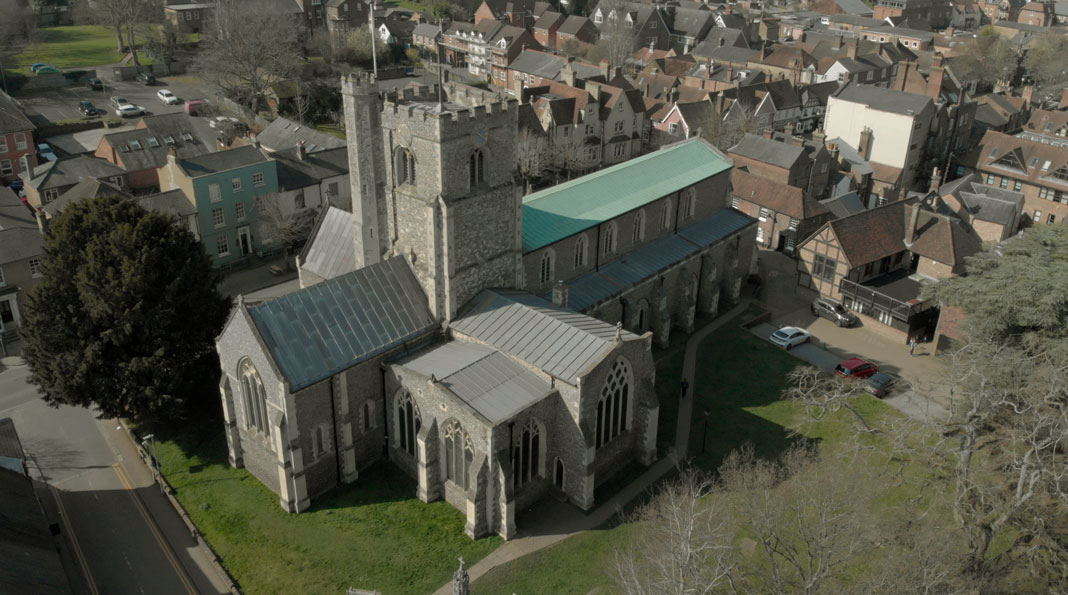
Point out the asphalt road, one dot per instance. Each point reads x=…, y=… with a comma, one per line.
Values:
x=119, y=534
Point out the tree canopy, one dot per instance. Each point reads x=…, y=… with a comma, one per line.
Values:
x=125, y=317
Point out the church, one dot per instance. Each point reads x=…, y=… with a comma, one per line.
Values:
x=495, y=347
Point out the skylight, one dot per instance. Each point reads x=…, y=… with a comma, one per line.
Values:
x=136, y=144
x=168, y=139
x=153, y=141
x=187, y=136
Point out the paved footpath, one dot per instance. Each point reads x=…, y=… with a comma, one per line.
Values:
x=526, y=544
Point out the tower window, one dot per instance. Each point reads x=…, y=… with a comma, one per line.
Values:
x=404, y=166
x=475, y=169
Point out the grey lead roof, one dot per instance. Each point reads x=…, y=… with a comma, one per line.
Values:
x=885, y=100
x=765, y=150
x=329, y=327
x=331, y=252
x=561, y=342
x=489, y=382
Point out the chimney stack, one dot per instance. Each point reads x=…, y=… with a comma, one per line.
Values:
x=302, y=152
x=936, y=179
x=1028, y=94
x=934, y=79
x=910, y=229
x=560, y=294
x=865, y=144
x=606, y=67
x=851, y=48
x=42, y=220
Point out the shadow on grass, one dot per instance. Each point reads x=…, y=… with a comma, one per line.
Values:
x=380, y=483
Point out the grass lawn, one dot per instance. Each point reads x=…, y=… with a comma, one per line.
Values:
x=372, y=535
x=739, y=380
x=331, y=129
x=73, y=47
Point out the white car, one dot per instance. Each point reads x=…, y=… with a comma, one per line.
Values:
x=167, y=97
x=789, y=336
x=129, y=110
x=223, y=121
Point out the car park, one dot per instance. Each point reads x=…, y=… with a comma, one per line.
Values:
x=127, y=111
x=880, y=384
x=194, y=107
x=117, y=100
x=856, y=367
x=167, y=97
x=95, y=84
x=834, y=311
x=87, y=108
x=790, y=336
x=146, y=78
x=46, y=152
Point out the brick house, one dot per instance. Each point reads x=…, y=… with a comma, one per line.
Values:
x=344, y=17
x=802, y=164
x=1038, y=14
x=876, y=262
x=576, y=32
x=935, y=12
x=1037, y=169
x=16, y=139
x=785, y=214
x=994, y=213
x=517, y=13
x=545, y=28
x=188, y=18
x=645, y=23
x=143, y=150
x=21, y=249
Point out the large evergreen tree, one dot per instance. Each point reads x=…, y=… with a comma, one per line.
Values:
x=126, y=315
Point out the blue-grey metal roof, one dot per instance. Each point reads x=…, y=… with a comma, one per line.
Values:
x=559, y=341
x=613, y=278
x=332, y=253
x=491, y=383
x=321, y=330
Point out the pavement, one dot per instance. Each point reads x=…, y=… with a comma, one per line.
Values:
x=118, y=533
x=257, y=283
x=556, y=521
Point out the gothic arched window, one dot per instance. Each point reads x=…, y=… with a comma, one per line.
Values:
x=580, y=251
x=408, y=423
x=613, y=410
x=404, y=166
x=691, y=203
x=609, y=239
x=254, y=398
x=639, y=227
x=475, y=167
x=665, y=214
x=526, y=454
x=546, y=272
x=458, y=454
x=643, y=315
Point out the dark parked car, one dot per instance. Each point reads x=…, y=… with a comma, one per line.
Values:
x=833, y=311
x=95, y=84
x=855, y=367
x=87, y=108
x=146, y=78
x=880, y=384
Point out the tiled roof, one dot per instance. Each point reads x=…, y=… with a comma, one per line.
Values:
x=779, y=197
x=87, y=188
x=548, y=19
x=492, y=384
x=886, y=100
x=13, y=213
x=20, y=243
x=12, y=118
x=67, y=171
x=146, y=148
x=283, y=134
x=331, y=250
x=566, y=209
x=1036, y=162
x=573, y=25
x=561, y=342
x=172, y=202
x=321, y=330
x=942, y=238
x=872, y=234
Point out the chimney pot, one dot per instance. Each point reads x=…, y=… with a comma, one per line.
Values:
x=560, y=291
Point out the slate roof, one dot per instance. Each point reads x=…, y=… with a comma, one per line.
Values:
x=558, y=341
x=573, y=24
x=294, y=172
x=738, y=55
x=569, y=208
x=538, y=63
x=843, y=205
x=87, y=188
x=13, y=213
x=856, y=7
x=943, y=239
x=172, y=202
x=31, y=562
x=886, y=100
x=20, y=243
x=147, y=148
x=283, y=134
x=67, y=171
x=548, y=19
x=492, y=384
x=331, y=251
x=692, y=22
x=321, y=330
x=766, y=150
x=426, y=30
x=212, y=163
x=984, y=202
x=718, y=37
x=12, y=118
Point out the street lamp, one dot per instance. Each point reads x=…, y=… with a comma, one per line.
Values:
x=704, y=432
x=150, y=441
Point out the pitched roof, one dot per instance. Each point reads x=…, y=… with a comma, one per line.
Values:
x=943, y=239
x=318, y=331
x=426, y=30
x=13, y=213
x=856, y=7
x=67, y=171
x=873, y=234
x=212, y=163
x=283, y=134
x=573, y=25
x=1043, y=164
x=885, y=100
x=20, y=243
x=566, y=209
x=31, y=560
x=777, y=196
x=331, y=250
x=12, y=118
x=548, y=19
x=490, y=383
x=147, y=148
x=294, y=172
x=172, y=202
x=560, y=342
x=766, y=150
x=87, y=188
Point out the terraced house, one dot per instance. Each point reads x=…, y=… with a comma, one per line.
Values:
x=230, y=190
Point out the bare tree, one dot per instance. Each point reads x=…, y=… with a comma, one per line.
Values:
x=618, y=36
x=163, y=43
x=301, y=104
x=724, y=130
x=573, y=154
x=283, y=223
x=682, y=545
x=248, y=48
x=107, y=13
x=533, y=155
x=14, y=28
x=986, y=58
x=1045, y=62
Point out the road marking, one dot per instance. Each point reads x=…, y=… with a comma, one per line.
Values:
x=74, y=541
x=155, y=530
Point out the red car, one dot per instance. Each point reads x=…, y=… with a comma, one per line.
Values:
x=855, y=367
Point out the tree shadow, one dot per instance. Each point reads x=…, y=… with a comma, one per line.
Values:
x=50, y=453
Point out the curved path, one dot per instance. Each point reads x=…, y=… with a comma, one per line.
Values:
x=525, y=544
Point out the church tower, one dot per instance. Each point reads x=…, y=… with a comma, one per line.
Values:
x=453, y=206
x=363, y=126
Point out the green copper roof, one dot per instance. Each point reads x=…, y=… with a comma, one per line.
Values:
x=566, y=209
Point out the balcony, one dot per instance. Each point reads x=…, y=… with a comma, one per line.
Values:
x=893, y=298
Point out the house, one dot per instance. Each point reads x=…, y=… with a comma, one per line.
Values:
x=995, y=214
x=877, y=261
x=1001, y=10
x=935, y=12
x=833, y=7
x=313, y=180
x=545, y=28
x=426, y=36
x=997, y=111
x=48, y=181
x=643, y=24
x=1037, y=14
x=345, y=16
x=141, y=151
x=786, y=63
x=1037, y=169
x=1046, y=126
x=720, y=37
x=785, y=214
x=188, y=18
x=686, y=120
x=176, y=204
x=487, y=48
x=689, y=26
x=18, y=147
x=87, y=188
x=533, y=68
x=396, y=32
x=283, y=134
x=517, y=13
x=792, y=162
x=232, y=190
x=576, y=33
x=967, y=15
x=911, y=38
x=21, y=248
